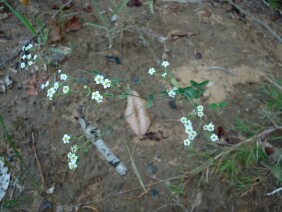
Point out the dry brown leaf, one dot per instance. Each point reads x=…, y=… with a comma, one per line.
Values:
x=55, y=34
x=73, y=24
x=25, y=2
x=136, y=114
x=175, y=34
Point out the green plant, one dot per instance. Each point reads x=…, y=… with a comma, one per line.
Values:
x=275, y=3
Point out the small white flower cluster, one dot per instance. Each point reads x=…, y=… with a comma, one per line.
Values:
x=172, y=93
x=164, y=64
x=189, y=130
x=97, y=96
x=73, y=158
x=99, y=79
x=27, y=59
x=51, y=91
x=200, y=110
x=210, y=128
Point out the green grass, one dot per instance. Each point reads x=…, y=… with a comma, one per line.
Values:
x=21, y=18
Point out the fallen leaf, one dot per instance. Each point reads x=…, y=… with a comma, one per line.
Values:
x=136, y=114
x=87, y=8
x=25, y=2
x=73, y=24
x=55, y=34
x=134, y=3
x=175, y=34
x=31, y=85
x=229, y=137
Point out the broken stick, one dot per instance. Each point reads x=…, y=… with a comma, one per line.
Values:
x=94, y=135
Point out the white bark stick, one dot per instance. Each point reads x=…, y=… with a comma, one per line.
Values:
x=93, y=134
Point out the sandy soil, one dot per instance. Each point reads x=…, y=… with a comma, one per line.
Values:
x=223, y=38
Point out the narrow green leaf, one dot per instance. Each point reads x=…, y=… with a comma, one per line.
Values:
x=193, y=83
x=97, y=26
x=174, y=82
x=22, y=19
x=123, y=96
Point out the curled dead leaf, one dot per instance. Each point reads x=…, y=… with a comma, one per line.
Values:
x=136, y=114
x=55, y=34
x=73, y=24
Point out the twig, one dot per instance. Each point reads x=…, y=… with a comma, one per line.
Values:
x=89, y=207
x=94, y=136
x=257, y=20
x=221, y=69
x=38, y=163
x=274, y=192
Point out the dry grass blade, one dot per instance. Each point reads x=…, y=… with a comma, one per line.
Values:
x=135, y=169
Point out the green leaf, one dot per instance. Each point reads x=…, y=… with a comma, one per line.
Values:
x=174, y=82
x=204, y=83
x=193, y=83
x=150, y=101
x=123, y=96
x=213, y=106
x=222, y=104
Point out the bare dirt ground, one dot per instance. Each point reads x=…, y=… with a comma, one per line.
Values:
x=223, y=38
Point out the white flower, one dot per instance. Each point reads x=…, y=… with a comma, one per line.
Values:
x=188, y=129
x=29, y=56
x=46, y=84
x=188, y=123
x=66, y=138
x=73, y=158
x=165, y=64
x=23, y=48
x=205, y=127
x=171, y=93
x=72, y=166
x=107, y=83
x=183, y=120
x=56, y=85
x=95, y=95
x=99, y=99
x=70, y=154
x=200, y=108
x=214, y=137
x=187, y=142
x=22, y=65
x=50, y=93
x=210, y=127
x=99, y=79
x=151, y=71
x=30, y=63
x=192, y=135
x=200, y=114
x=164, y=75
x=64, y=77
x=24, y=56
x=59, y=71
x=35, y=57
x=42, y=86
x=66, y=89
x=28, y=47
